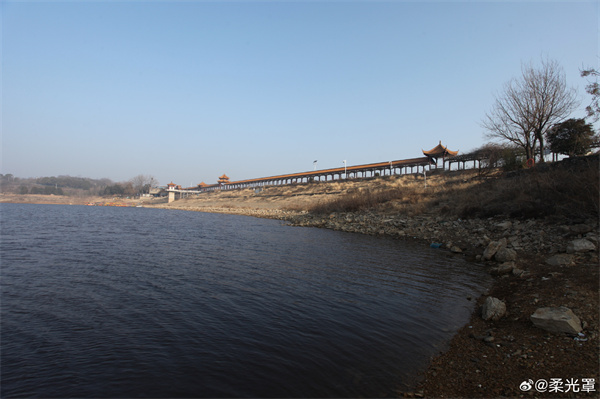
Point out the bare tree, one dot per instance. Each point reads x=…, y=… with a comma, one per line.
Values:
x=142, y=183
x=529, y=106
x=593, y=88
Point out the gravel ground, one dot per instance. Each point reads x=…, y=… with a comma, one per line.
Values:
x=492, y=358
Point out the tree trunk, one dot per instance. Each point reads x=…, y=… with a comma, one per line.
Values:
x=528, y=152
x=541, y=140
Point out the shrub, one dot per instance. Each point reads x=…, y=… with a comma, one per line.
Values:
x=571, y=137
x=511, y=159
x=560, y=189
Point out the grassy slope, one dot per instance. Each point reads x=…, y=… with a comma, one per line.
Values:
x=567, y=189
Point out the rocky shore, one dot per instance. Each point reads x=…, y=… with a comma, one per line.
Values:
x=539, y=266
x=549, y=263
x=566, y=243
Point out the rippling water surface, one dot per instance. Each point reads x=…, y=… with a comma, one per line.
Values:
x=133, y=302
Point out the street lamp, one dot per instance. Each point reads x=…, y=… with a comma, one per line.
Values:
x=315, y=165
x=345, y=173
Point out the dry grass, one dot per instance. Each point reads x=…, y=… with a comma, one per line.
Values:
x=569, y=189
x=411, y=193
x=357, y=200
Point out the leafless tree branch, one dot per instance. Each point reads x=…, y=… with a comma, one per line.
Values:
x=529, y=106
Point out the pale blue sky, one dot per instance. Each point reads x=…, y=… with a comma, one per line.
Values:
x=186, y=91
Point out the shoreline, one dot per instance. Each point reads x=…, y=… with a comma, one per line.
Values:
x=483, y=349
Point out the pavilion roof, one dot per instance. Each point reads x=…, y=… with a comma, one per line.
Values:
x=439, y=151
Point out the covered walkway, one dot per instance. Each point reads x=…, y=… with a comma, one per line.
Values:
x=414, y=165
x=399, y=167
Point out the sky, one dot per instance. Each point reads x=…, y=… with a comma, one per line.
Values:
x=185, y=91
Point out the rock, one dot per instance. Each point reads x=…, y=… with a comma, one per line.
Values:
x=505, y=255
x=517, y=272
x=505, y=268
x=557, y=320
x=592, y=238
x=580, y=245
x=561, y=260
x=505, y=225
x=493, y=309
x=492, y=248
x=456, y=249
x=580, y=228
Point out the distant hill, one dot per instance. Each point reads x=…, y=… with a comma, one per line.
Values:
x=56, y=185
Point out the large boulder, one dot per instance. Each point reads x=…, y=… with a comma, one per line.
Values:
x=580, y=245
x=492, y=248
x=557, y=320
x=493, y=309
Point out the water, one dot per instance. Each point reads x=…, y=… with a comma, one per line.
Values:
x=133, y=302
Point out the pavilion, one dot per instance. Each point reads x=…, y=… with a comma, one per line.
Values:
x=438, y=152
x=223, y=179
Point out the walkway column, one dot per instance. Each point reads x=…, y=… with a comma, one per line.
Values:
x=171, y=197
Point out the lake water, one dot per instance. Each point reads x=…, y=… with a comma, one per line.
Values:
x=132, y=302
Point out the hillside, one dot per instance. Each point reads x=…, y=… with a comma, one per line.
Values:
x=568, y=188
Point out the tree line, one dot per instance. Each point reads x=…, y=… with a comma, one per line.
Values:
x=76, y=186
x=140, y=184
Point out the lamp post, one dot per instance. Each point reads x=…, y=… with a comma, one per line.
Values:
x=345, y=170
x=315, y=165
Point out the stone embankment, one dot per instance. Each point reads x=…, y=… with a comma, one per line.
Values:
x=499, y=240
x=470, y=236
